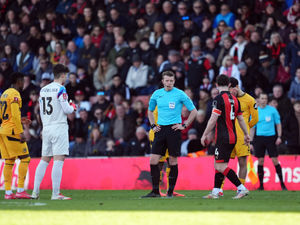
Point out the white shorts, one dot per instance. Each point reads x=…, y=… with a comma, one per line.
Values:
x=55, y=140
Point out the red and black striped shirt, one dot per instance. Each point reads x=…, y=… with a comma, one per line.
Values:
x=227, y=107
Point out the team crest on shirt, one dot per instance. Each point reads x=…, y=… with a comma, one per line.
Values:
x=24, y=150
x=65, y=96
x=172, y=105
x=16, y=99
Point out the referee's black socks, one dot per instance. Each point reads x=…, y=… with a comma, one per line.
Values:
x=155, y=174
x=279, y=173
x=260, y=172
x=172, y=178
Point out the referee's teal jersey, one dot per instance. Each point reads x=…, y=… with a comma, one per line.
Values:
x=169, y=105
x=268, y=117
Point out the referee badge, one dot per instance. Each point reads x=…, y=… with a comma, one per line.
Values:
x=172, y=105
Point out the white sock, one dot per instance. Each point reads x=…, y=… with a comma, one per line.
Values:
x=20, y=190
x=241, y=187
x=56, y=176
x=39, y=175
x=8, y=192
x=215, y=191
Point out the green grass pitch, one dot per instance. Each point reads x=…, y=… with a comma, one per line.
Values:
x=126, y=207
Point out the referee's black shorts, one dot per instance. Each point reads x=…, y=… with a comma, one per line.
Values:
x=263, y=143
x=167, y=138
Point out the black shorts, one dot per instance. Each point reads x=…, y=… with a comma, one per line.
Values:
x=263, y=143
x=223, y=152
x=167, y=138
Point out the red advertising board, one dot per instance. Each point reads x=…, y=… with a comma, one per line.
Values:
x=133, y=173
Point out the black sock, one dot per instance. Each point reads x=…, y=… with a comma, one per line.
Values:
x=260, y=172
x=155, y=178
x=279, y=173
x=219, y=177
x=172, y=178
x=231, y=175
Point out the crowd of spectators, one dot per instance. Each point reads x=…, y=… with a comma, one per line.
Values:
x=116, y=50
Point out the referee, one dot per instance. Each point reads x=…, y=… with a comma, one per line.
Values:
x=169, y=101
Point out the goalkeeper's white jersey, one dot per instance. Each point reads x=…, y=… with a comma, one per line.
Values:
x=54, y=105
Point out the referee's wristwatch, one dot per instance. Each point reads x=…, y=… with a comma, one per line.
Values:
x=184, y=125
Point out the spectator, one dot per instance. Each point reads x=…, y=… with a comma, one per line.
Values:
x=44, y=67
x=3, y=34
x=247, y=79
x=6, y=70
x=225, y=50
x=200, y=122
x=156, y=34
x=81, y=104
x=100, y=121
x=9, y=54
x=284, y=103
x=173, y=62
x=220, y=33
x=78, y=39
x=198, y=67
x=138, y=145
x=120, y=48
x=151, y=15
x=46, y=78
x=192, y=136
x=137, y=77
x=72, y=52
x=103, y=75
x=283, y=77
x=82, y=124
x=72, y=86
x=122, y=127
x=291, y=130
x=42, y=53
x=122, y=67
x=118, y=86
x=97, y=35
x=188, y=29
x=16, y=36
x=294, y=92
x=78, y=149
x=24, y=60
x=147, y=52
x=167, y=12
x=254, y=47
x=283, y=29
x=199, y=13
x=143, y=31
x=225, y=15
x=237, y=49
x=96, y=144
x=211, y=48
x=267, y=71
x=230, y=69
x=166, y=44
x=292, y=59
x=34, y=143
x=276, y=46
x=58, y=52
x=101, y=102
x=87, y=52
x=203, y=99
x=64, y=60
x=108, y=39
